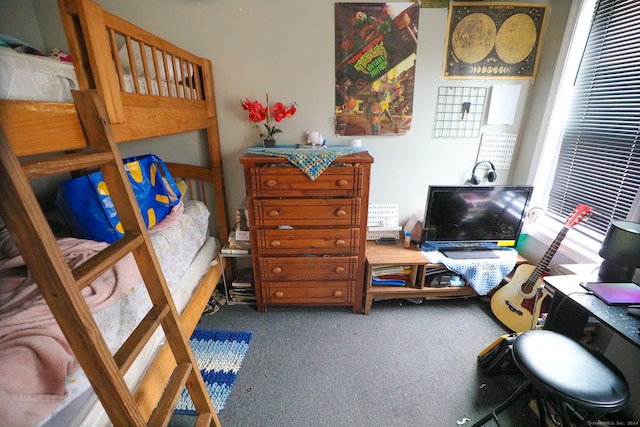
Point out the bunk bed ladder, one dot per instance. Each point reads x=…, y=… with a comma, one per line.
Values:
x=61, y=286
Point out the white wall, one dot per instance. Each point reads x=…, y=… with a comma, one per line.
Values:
x=18, y=19
x=285, y=47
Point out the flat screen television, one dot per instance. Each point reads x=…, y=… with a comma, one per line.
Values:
x=474, y=217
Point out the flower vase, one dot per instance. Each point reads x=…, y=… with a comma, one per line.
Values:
x=269, y=142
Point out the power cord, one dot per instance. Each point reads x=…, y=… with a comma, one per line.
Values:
x=566, y=297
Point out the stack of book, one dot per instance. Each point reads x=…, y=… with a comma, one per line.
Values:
x=242, y=289
x=396, y=275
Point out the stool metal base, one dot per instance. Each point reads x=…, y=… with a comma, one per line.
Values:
x=565, y=411
x=525, y=387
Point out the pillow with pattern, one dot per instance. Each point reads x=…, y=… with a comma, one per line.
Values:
x=60, y=55
x=18, y=45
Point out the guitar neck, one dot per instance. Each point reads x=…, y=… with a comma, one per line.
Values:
x=548, y=255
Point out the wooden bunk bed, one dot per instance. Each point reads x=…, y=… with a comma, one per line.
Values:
x=171, y=92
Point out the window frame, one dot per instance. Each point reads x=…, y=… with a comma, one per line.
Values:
x=576, y=246
x=598, y=163
x=580, y=247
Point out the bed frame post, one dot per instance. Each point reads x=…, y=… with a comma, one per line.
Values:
x=84, y=26
x=213, y=139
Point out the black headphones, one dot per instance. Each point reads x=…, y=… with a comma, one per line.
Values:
x=491, y=175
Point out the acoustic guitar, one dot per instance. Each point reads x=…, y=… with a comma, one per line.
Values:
x=517, y=304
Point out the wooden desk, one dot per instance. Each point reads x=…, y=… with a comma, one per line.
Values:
x=571, y=307
x=393, y=255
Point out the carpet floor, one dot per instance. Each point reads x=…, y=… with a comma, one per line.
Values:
x=402, y=365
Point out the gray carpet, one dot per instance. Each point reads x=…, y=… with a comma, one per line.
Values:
x=402, y=365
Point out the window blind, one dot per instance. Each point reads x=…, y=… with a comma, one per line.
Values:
x=599, y=158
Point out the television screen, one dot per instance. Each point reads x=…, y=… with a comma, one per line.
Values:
x=482, y=217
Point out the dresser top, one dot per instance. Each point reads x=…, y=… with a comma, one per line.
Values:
x=361, y=157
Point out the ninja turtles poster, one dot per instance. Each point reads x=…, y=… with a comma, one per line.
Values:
x=375, y=67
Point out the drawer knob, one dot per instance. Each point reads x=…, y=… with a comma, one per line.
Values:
x=275, y=243
x=271, y=182
x=342, y=182
x=341, y=212
x=340, y=243
x=337, y=294
x=276, y=270
x=339, y=269
x=279, y=294
x=273, y=214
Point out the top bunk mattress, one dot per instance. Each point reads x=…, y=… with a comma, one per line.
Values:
x=35, y=78
x=26, y=77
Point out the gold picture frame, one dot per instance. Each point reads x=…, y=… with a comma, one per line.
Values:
x=494, y=40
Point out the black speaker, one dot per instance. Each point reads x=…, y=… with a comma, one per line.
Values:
x=492, y=175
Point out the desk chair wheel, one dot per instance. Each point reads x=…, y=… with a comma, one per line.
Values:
x=578, y=383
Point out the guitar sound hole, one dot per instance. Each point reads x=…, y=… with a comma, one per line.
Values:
x=526, y=288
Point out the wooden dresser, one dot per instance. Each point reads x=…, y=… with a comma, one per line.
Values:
x=308, y=236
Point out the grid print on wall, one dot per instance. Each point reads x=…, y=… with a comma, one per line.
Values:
x=459, y=112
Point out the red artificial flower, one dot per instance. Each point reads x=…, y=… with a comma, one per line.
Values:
x=280, y=111
x=259, y=113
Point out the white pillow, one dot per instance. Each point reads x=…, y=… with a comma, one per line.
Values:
x=135, y=46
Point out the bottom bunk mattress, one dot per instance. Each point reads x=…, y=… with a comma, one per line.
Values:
x=185, y=253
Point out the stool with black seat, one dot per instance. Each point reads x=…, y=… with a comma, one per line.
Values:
x=578, y=383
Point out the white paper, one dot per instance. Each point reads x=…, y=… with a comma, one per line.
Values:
x=504, y=102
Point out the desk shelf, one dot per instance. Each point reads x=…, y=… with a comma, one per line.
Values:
x=394, y=255
x=235, y=271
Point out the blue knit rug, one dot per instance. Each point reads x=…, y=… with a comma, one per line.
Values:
x=219, y=355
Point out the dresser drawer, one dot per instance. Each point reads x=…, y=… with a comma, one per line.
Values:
x=344, y=241
x=312, y=292
x=306, y=268
x=291, y=182
x=307, y=212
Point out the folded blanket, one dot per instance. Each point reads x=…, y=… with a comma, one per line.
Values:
x=483, y=274
x=311, y=162
x=8, y=247
x=35, y=358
